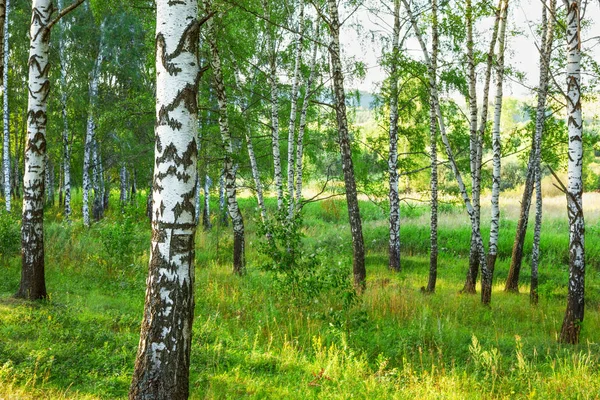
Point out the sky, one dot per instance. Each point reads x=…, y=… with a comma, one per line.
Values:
x=521, y=50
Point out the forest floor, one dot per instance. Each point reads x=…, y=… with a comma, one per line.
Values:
x=275, y=334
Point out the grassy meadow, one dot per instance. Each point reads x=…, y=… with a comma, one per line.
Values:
x=263, y=335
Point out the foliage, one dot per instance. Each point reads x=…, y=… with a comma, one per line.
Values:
x=10, y=234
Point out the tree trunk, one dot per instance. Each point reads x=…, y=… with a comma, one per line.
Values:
x=222, y=206
x=256, y=176
x=65, y=135
x=394, y=247
x=4, y=10
x=206, y=210
x=471, y=280
x=358, y=244
x=512, y=281
x=449, y=152
x=163, y=357
x=239, y=257
x=302, y=124
x=575, y=300
x=497, y=146
x=90, y=132
x=293, y=111
x=123, y=185
x=33, y=284
x=433, y=135
x=275, y=122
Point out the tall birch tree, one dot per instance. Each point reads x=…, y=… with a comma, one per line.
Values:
x=394, y=247
x=512, y=281
x=229, y=168
x=4, y=53
x=163, y=357
x=358, y=245
x=576, y=298
x=33, y=285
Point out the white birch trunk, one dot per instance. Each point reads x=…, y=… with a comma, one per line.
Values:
x=433, y=136
x=303, y=121
x=450, y=153
x=512, y=281
x=123, y=185
x=229, y=167
x=575, y=300
x=294, y=110
x=206, y=211
x=163, y=357
x=275, y=124
x=33, y=284
x=6, y=114
x=497, y=144
x=394, y=247
x=256, y=177
x=90, y=131
x=65, y=134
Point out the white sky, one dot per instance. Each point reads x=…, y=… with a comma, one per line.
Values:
x=522, y=55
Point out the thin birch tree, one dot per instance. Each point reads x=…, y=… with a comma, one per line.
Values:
x=4, y=53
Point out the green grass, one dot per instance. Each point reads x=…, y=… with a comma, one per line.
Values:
x=251, y=339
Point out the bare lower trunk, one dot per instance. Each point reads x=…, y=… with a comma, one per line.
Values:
x=163, y=357
x=223, y=214
x=256, y=177
x=358, y=245
x=394, y=247
x=239, y=260
x=275, y=122
x=512, y=281
x=576, y=299
x=123, y=185
x=65, y=134
x=433, y=135
x=535, y=257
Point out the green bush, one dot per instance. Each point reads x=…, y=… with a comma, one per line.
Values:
x=10, y=234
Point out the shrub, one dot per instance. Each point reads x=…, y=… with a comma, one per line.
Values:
x=10, y=234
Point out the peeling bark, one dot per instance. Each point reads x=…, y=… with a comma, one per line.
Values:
x=163, y=357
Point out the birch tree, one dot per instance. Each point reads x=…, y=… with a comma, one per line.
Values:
x=485, y=297
x=4, y=53
x=512, y=281
x=229, y=169
x=91, y=129
x=497, y=144
x=575, y=301
x=66, y=166
x=294, y=109
x=33, y=285
x=394, y=248
x=163, y=357
x=358, y=245
x=433, y=137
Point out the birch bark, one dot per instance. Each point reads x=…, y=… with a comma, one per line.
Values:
x=163, y=357
x=433, y=137
x=303, y=120
x=450, y=153
x=512, y=281
x=4, y=13
x=497, y=144
x=65, y=134
x=90, y=131
x=33, y=285
x=575, y=300
x=239, y=261
x=358, y=245
x=294, y=110
x=394, y=247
